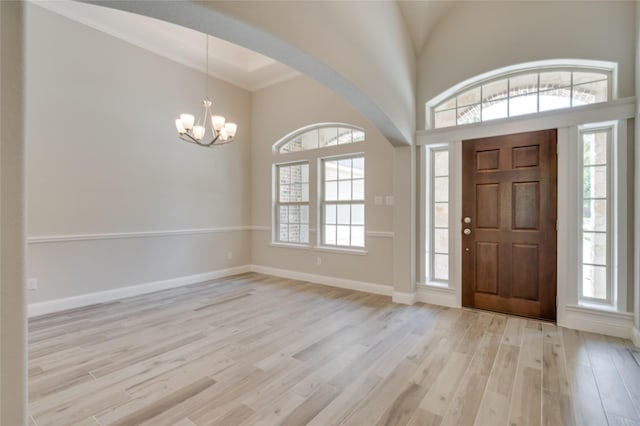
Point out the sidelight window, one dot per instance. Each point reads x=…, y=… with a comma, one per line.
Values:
x=437, y=237
x=596, y=218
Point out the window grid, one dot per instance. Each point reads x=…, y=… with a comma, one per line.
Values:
x=342, y=207
x=438, y=233
x=595, y=224
x=292, y=205
x=320, y=137
x=526, y=99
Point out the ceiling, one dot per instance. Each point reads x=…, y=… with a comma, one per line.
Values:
x=421, y=18
x=227, y=61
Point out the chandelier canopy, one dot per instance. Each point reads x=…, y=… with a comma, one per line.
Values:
x=210, y=130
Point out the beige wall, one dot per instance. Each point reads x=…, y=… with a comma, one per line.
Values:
x=13, y=330
x=283, y=108
x=104, y=157
x=477, y=37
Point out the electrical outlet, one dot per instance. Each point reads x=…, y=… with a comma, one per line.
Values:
x=319, y=261
x=32, y=284
x=229, y=255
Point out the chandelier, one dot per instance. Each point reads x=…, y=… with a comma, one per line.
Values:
x=210, y=130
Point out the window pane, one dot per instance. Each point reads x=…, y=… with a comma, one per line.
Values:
x=344, y=190
x=441, y=189
x=284, y=232
x=441, y=267
x=344, y=214
x=441, y=240
x=345, y=136
x=358, y=167
x=594, y=248
x=330, y=170
x=469, y=114
x=308, y=140
x=594, y=215
x=590, y=93
x=469, y=97
x=330, y=215
x=358, y=136
x=283, y=214
x=595, y=148
x=441, y=163
x=358, y=189
x=495, y=110
x=555, y=99
x=555, y=79
x=285, y=174
x=296, y=192
x=523, y=105
x=357, y=236
x=294, y=214
x=496, y=90
x=304, y=173
x=448, y=104
x=344, y=236
x=523, y=84
x=304, y=233
x=587, y=77
x=330, y=234
x=285, y=190
x=331, y=191
x=594, y=282
x=344, y=169
x=594, y=182
x=328, y=136
x=357, y=214
x=441, y=216
x=294, y=233
x=445, y=118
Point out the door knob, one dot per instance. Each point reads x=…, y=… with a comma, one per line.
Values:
x=467, y=231
x=467, y=219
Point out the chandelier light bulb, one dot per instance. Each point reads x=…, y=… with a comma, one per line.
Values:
x=187, y=121
x=230, y=129
x=198, y=132
x=217, y=121
x=180, y=127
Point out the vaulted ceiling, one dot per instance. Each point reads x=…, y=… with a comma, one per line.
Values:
x=227, y=61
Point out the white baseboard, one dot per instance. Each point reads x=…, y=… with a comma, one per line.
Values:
x=57, y=305
x=384, y=290
x=617, y=324
x=403, y=298
x=636, y=337
x=437, y=296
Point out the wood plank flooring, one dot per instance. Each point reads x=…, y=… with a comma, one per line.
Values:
x=259, y=350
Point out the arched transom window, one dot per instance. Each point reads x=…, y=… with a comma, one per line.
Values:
x=523, y=92
x=320, y=136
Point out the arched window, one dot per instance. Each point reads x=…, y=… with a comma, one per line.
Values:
x=318, y=136
x=309, y=177
x=527, y=90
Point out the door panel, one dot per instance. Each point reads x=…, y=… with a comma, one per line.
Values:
x=509, y=192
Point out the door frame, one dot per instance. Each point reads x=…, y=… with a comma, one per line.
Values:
x=568, y=310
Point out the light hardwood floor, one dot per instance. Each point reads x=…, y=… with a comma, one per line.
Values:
x=253, y=349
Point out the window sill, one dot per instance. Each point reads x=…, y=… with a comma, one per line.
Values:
x=340, y=250
x=600, y=309
x=290, y=245
x=436, y=286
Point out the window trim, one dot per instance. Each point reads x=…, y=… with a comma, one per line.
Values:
x=321, y=242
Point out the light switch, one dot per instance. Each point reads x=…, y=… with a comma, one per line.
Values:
x=390, y=200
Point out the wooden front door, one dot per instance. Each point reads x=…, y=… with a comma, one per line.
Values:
x=509, y=198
